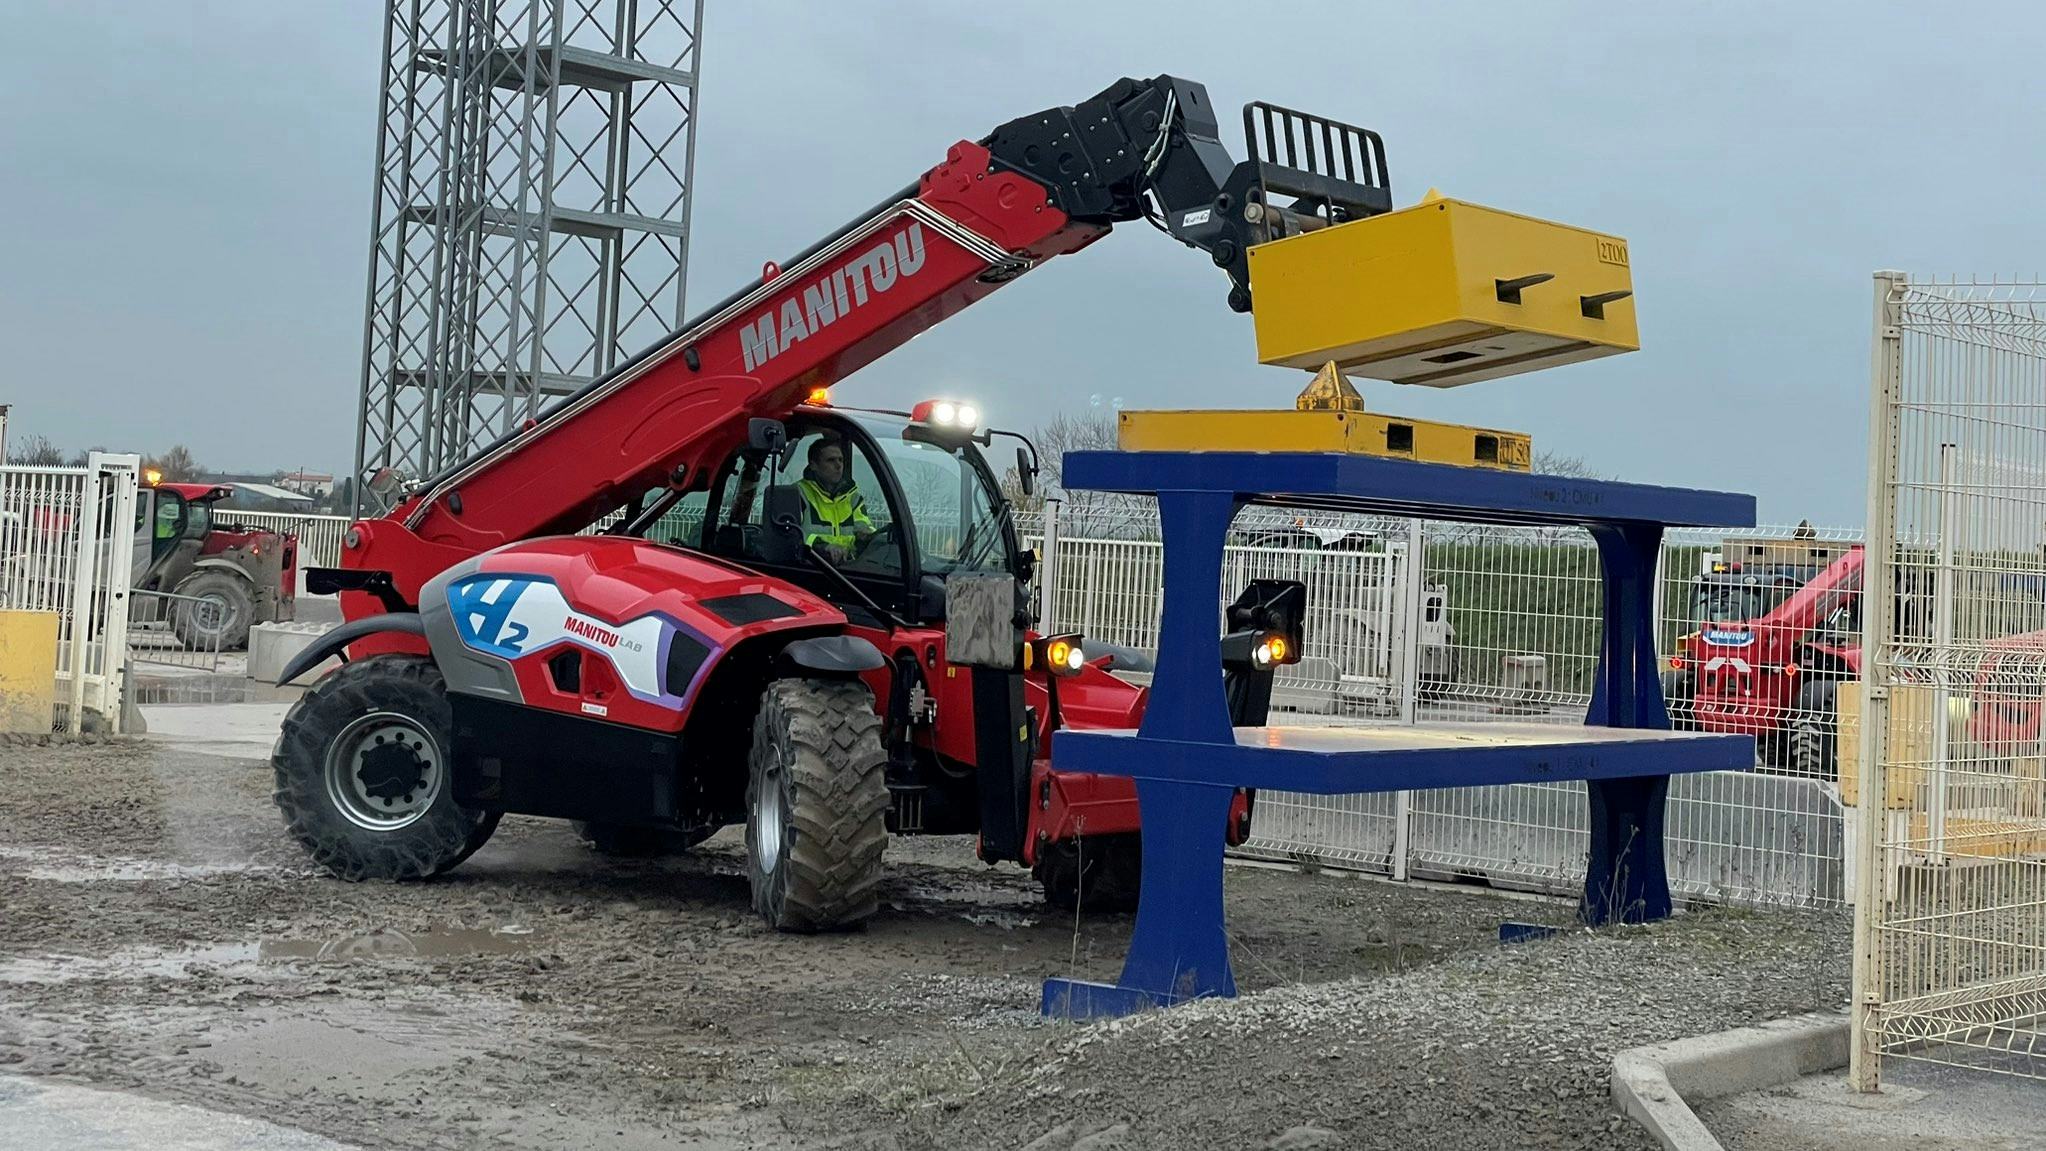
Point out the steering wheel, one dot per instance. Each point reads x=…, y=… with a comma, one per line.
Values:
x=861, y=547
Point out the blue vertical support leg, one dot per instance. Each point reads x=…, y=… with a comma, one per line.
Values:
x=1178, y=949
x=1626, y=876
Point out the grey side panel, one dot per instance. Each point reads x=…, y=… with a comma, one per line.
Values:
x=466, y=670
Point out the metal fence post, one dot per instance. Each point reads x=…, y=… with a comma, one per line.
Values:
x=1878, y=610
x=1048, y=568
x=1414, y=578
x=84, y=562
x=1943, y=643
x=127, y=471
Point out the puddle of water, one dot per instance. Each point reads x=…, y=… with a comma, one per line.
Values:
x=509, y=939
x=1004, y=919
x=62, y=867
x=156, y=963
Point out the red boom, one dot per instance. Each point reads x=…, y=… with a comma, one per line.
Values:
x=966, y=232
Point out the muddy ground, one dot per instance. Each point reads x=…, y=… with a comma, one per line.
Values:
x=158, y=933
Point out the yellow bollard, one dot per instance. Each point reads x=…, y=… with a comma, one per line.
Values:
x=28, y=671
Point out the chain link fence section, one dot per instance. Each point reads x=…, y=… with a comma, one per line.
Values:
x=1948, y=767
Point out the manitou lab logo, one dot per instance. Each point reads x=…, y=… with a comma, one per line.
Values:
x=590, y=631
x=830, y=299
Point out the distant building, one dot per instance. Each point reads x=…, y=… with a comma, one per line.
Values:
x=306, y=483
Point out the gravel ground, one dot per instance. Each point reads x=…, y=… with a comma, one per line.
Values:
x=162, y=935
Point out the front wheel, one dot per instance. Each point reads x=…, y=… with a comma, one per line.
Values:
x=817, y=805
x=363, y=773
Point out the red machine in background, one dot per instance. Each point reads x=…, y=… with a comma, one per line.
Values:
x=1778, y=626
x=732, y=650
x=226, y=577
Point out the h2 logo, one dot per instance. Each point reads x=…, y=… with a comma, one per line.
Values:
x=482, y=607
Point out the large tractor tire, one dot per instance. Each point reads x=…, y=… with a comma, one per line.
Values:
x=629, y=841
x=1092, y=873
x=1814, y=731
x=817, y=805
x=218, y=614
x=364, y=773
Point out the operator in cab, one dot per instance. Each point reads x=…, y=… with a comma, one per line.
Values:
x=835, y=514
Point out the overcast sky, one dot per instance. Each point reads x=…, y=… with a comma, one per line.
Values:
x=185, y=188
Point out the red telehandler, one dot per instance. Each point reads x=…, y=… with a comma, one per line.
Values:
x=1773, y=642
x=715, y=657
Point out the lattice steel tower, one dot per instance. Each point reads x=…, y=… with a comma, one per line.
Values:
x=531, y=221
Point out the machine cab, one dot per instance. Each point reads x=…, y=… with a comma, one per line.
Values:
x=894, y=502
x=171, y=524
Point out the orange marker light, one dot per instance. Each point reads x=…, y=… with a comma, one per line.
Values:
x=818, y=397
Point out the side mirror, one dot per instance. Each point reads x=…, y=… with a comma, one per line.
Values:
x=768, y=436
x=930, y=599
x=1026, y=472
x=781, y=537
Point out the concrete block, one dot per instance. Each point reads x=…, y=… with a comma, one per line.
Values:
x=28, y=671
x=1656, y=1085
x=272, y=645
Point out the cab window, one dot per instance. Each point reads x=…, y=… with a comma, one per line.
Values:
x=170, y=514
x=829, y=482
x=959, y=524
x=681, y=524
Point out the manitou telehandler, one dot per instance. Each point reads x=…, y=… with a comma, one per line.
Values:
x=719, y=656
x=226, y=576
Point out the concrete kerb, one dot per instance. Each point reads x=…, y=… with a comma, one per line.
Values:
x=1656, y=1085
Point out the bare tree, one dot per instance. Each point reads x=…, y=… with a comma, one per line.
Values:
x=177, y=464
x=35, y=452
x=1569, y=467
x=1083, y=512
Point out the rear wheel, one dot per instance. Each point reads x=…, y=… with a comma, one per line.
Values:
x=217, y=614
x=1814, y=731
x=363, y=773
x=1092, y=873
x=817, y=804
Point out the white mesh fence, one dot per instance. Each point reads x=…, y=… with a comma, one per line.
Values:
x=1947, y=763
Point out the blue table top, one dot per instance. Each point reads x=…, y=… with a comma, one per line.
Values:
x=1393, y=757
x=1338, y=481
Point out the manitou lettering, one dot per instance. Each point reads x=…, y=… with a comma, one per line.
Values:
x=590, y=631
x=830, y=299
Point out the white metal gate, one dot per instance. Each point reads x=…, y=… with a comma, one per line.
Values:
x=1950, y=909
x=66, y=539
